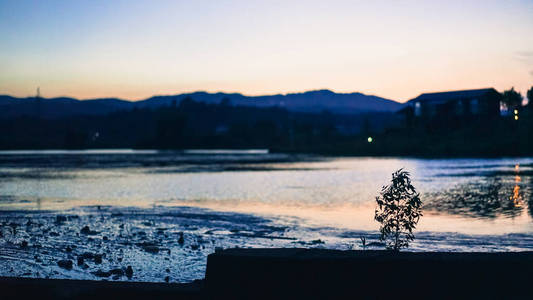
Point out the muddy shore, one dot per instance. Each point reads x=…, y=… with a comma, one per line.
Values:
x=171, y=244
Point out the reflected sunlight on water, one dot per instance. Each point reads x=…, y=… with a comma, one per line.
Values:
x=517, y=197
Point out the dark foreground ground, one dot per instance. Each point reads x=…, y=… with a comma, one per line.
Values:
x=315, y=273
x=37, y=288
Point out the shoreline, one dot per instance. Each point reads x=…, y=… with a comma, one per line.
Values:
x=250, y=151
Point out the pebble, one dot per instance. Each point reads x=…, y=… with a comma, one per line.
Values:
x=86, y=230
x=151, y=249
x=65, y=264
x=101, y=273
x=180, y=239
x=60, y=219
x=129, y=272
x=117, y=272
x=98, y=259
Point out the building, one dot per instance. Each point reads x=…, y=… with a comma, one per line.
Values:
x=456, y=105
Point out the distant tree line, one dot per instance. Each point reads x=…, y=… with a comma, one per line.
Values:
x=189, y=124
x=192, y=124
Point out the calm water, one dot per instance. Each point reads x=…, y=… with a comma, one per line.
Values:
x=461, y=195
x=469, y=204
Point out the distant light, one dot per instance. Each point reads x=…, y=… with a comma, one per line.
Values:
x=369, y=139
x=516, y=111
x=516, y=117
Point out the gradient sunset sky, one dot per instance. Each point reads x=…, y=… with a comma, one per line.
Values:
x=136, y=49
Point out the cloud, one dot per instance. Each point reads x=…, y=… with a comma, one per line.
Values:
x=525, y=53
x=525, y=56
x=531, y=72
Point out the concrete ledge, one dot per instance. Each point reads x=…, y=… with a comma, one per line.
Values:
x=319, y=273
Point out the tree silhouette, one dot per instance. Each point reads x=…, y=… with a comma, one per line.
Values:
x=398, y=211
x=225, y=102
x=511, y=99
x=530, y=97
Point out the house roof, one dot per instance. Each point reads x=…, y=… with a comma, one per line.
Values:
x=453, y=95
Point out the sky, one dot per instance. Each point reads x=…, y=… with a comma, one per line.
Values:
x=136, y=49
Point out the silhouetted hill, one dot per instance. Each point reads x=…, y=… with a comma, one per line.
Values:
x=312, y=101
x=11, y=107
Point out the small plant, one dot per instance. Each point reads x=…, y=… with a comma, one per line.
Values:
x=363, y=242
x=398, y=211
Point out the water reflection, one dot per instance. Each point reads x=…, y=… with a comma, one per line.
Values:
x=463, y=195
x=517, y=196
x=488, y=197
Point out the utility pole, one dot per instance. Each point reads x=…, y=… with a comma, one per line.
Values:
x=38, y=103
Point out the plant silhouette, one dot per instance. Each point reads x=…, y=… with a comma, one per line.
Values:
x=398, y=211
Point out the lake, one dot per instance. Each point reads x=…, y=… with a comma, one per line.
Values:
x=162, y=212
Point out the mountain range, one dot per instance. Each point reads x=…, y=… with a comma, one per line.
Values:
x=311, y=101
